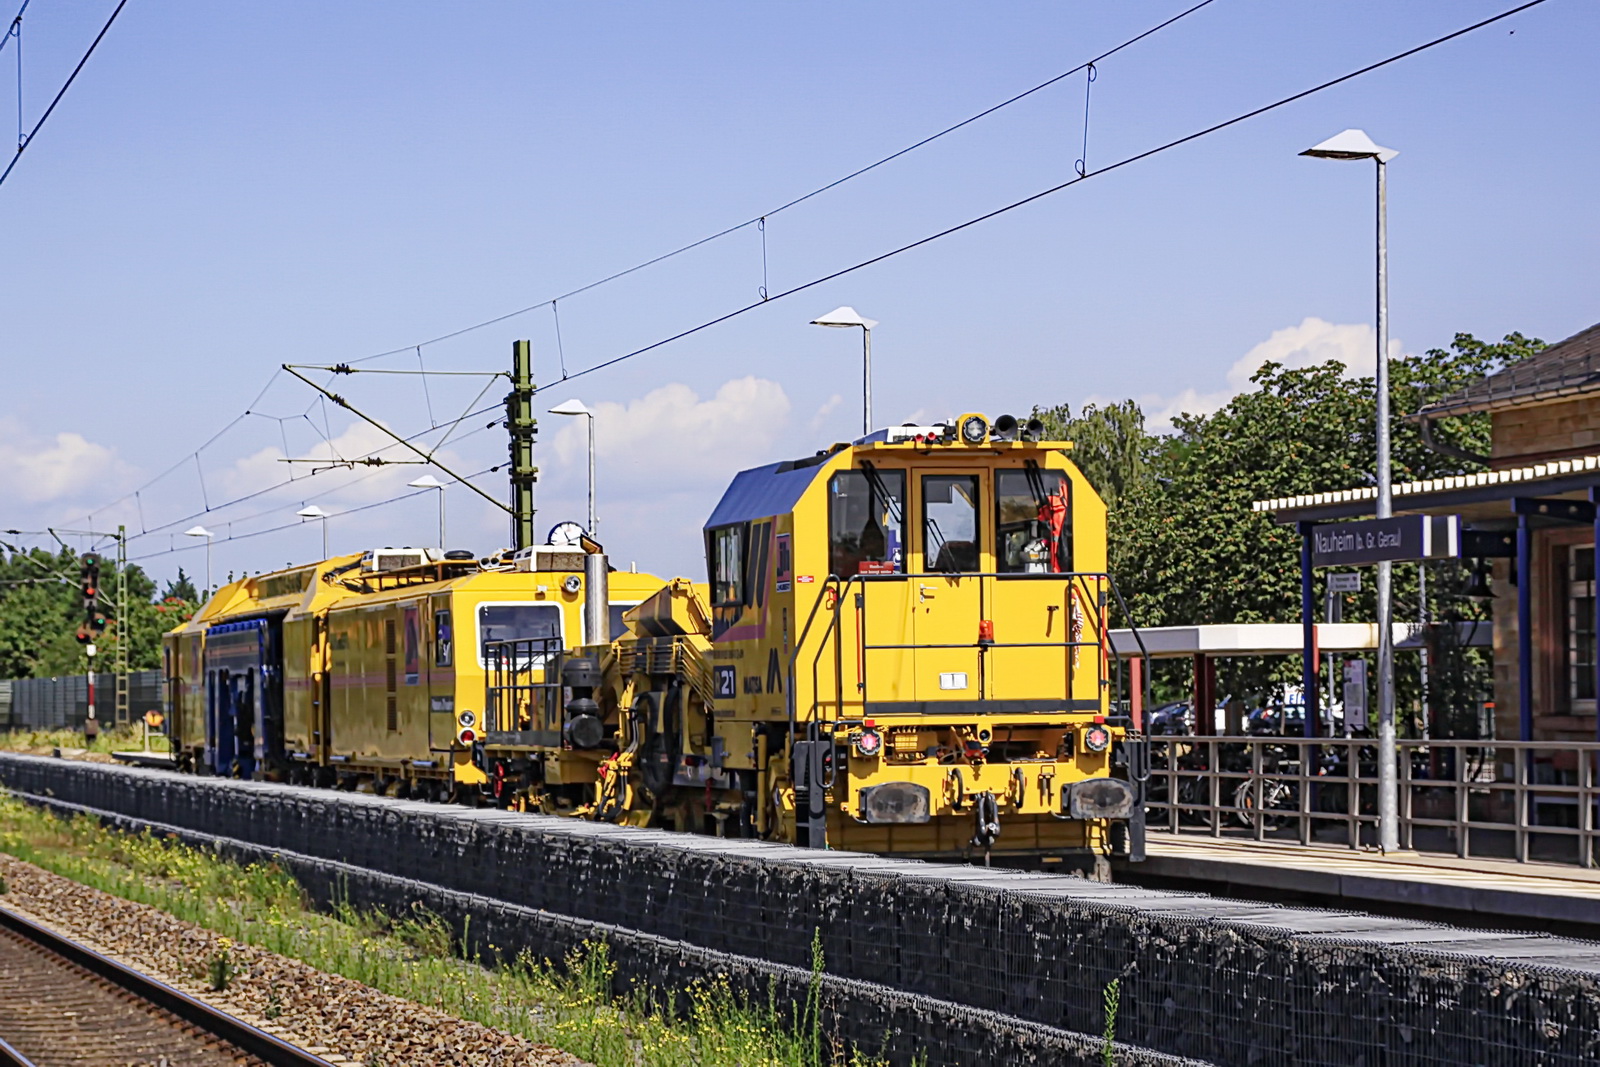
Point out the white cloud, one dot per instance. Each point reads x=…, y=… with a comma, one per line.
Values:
x=1310, y=344
x=36, y=469
x=828, y=407
x=670, y=436
x=663, y=462
x=1313, y=342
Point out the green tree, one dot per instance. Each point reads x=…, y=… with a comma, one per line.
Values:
x=41, y=608
x=1186, y=546
x=1109, y=445
x=181, y=588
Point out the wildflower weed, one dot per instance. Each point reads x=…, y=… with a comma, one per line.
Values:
x=571, y=1004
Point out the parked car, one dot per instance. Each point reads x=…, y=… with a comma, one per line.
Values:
x=1289, y=720
x=1172, y=719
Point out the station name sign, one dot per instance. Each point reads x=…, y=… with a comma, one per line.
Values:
x=1404, y=537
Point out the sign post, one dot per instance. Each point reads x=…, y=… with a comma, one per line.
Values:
x=1355, y=693
x=1346, y=582
x=1384, y=540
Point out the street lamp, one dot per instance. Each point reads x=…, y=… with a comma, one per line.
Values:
x=428, y=481
x=848, y=316
x=313, y=512
x=576, y=407
x=1355, y=144
x=201, y=531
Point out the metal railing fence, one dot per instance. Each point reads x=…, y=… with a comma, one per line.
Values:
x=523, y=691
x=63, y=703
x=1521, y=800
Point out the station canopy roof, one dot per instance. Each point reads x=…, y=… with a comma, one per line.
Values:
x=1475, y=496
x=1281, y=638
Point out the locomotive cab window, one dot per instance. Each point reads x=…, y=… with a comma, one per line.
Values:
x=866, y=522
x=950, y=523
x=727, y=564
x=1033, y=522
x=517, y=622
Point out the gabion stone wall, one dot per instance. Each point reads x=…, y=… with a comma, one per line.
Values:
x=1227, y=982
x=903, y=1027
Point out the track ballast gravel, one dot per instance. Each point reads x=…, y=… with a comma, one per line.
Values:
x=59, y=1015
x=324, y=1013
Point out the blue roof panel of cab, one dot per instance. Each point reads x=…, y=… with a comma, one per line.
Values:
x=762, y=492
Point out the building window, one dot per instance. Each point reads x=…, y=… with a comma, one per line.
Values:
x=1580, y=622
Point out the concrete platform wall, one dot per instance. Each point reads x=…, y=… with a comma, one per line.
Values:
x=1228, y=982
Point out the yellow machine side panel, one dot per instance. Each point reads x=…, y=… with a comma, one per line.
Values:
x=181, y=651
x=301, y=670
x=380, y=702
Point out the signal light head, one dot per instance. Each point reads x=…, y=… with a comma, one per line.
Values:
x=466, y=735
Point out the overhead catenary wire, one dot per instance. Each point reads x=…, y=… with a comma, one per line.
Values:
x=759, y=220
x=295, y=525
x=154, y=530
x=1015, y=205
x=23, y=143
x=15, y=30
x=1052, y=190
x=802, y=198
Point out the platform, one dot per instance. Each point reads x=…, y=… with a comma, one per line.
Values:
x=159, y=760
x=1487, y=892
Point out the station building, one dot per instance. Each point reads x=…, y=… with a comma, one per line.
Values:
x=1533, y=512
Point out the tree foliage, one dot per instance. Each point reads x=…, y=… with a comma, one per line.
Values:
x=1187, y=548
x=41, y=607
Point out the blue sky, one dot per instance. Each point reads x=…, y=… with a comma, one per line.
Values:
x=229, y=187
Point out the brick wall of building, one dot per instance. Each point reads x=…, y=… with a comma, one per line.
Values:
x=1563, y=428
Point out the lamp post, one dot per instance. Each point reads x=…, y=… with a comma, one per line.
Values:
x=201, y=531
x=1355, y=144
x=313, y=512
x=848, y=316
x=576, y=407
x=428, y=481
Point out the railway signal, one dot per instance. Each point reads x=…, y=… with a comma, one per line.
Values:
x=94, y=615
x=89, y=579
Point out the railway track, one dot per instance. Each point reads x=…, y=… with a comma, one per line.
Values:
x=62, y=1003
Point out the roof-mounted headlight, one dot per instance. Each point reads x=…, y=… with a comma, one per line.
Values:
x=974, y=429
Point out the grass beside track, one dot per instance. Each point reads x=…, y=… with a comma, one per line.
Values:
x=569, y=1006
x=127, y=738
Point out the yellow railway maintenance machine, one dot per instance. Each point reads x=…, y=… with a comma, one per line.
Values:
x=902, y=649
x=369, y=671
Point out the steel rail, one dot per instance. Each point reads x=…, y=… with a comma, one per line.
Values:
x=254, y=1042
x=10, y=1057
